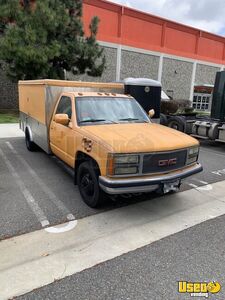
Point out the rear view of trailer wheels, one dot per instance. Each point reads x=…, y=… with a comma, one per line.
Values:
x=87, y=181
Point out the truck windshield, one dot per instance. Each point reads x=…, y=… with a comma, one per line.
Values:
x=108, y=110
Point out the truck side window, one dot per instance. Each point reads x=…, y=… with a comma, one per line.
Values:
x=64, y=106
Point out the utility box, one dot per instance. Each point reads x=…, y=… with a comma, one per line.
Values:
x=37, y=100
x=218, y=102
x=146, y=91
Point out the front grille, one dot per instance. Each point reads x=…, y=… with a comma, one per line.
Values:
x=164, y=161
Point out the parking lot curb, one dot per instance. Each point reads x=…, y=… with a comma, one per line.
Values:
x=10, y=130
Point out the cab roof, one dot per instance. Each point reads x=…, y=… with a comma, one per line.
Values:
x=68, y=83
x=97, y=94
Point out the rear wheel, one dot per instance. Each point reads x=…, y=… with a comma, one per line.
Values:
x=163, y=119
x=87, y=181
x=31, y=146
x=177, y=123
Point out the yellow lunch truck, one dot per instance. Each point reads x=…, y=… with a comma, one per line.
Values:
x=106, y=136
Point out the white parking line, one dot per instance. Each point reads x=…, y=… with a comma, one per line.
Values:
x=62, y=228
x=205, y=187
x=52, y=197
x=219, y=172
x=27, y=195
x=193, y=185
x=201, y=181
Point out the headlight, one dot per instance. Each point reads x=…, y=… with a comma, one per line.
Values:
x=122, y=164
x=126, y=159
x=125, y=170
x=192, y=155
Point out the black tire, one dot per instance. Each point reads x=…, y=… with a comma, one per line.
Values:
x=31, y=146
x=87, y=181
x=177, y=123
x=163, y=120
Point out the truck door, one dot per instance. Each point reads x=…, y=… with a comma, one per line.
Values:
x=62, y=137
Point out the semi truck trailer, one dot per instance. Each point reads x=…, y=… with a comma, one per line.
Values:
x=105, y=135
x=210, y=127
x=213, y=127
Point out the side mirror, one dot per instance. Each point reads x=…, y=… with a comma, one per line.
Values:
x=62, y=119
x=151, y=113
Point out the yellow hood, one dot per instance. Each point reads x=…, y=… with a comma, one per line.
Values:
x=140, y=137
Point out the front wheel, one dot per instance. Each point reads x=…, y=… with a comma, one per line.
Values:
x=87, y=181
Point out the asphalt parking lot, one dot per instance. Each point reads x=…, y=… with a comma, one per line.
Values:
x=49, y=196
x=150, y=272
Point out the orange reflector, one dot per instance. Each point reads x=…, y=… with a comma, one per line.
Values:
x=110, y=165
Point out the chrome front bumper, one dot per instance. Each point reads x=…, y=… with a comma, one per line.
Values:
x=146, y=184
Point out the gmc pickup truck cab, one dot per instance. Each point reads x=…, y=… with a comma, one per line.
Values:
x=106, y=137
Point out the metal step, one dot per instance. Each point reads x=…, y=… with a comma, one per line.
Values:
x=201, y=137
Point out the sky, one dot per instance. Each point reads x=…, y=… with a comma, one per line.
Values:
x=208, y=15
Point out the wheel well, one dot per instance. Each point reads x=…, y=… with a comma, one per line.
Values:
x=79, y=159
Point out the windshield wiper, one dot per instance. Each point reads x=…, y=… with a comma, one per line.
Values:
x=133, y=119
x=97, y=120
x=93, y=120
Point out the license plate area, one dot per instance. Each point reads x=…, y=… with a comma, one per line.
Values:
x=171, y=186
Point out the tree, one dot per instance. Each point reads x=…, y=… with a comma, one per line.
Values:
x=43, y=38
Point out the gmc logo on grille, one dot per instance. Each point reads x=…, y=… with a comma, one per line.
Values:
x=167, y=162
